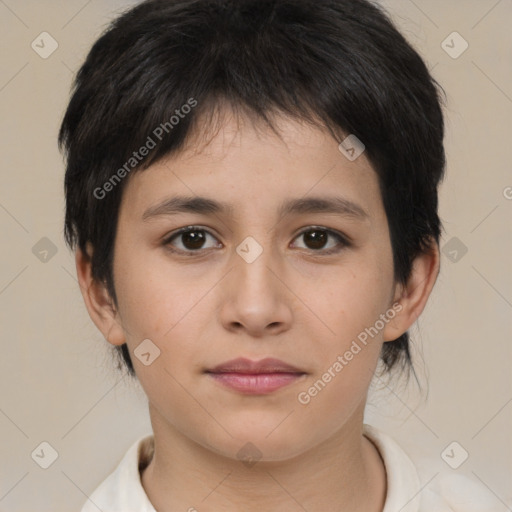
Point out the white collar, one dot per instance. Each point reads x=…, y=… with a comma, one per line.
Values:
x=122, y=490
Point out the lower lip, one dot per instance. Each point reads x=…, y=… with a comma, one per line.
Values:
x=256, y=384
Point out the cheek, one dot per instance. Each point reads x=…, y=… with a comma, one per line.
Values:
x=347, y=356
x=352, y=299
x=332, y=397
x=152, y=297
x=173, y=310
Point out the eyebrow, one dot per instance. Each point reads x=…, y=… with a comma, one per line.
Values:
x=205, y=206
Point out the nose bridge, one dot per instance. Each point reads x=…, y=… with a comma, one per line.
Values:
x=255, y=259
x=256, y=298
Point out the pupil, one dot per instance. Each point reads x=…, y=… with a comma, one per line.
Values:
x=317, y=241
x=193, y=239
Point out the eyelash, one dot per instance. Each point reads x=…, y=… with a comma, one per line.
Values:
x=342, y=240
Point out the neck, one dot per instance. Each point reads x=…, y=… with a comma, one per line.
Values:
x=345, y=470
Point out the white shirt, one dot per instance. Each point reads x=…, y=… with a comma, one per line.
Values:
x=447, y=491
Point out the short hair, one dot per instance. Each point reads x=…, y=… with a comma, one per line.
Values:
x=338, y=64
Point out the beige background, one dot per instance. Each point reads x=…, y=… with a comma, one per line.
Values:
x=57, y=381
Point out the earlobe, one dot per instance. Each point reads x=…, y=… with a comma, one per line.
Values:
x=97, y=300
x=412, y=297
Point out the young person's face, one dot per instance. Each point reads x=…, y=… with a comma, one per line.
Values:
x=216, y=298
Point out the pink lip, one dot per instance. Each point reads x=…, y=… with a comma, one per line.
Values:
x=255, y=377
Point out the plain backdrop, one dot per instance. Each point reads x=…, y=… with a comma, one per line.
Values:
x=58, y=384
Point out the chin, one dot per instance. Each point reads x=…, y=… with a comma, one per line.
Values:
x=261, y=443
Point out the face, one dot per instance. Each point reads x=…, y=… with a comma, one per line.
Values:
x=252, y=280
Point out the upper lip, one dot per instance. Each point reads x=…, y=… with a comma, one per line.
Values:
x=247, y=366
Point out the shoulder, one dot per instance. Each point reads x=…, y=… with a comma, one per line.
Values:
x=122, y=490
x=423, y=486
x=452, y=492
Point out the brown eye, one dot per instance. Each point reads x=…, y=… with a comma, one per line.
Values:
x=317, y=239
x=192, y=239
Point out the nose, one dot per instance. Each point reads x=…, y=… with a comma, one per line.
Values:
x=256, y=298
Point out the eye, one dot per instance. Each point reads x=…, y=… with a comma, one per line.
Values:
x=316, y=239
x=192, y=239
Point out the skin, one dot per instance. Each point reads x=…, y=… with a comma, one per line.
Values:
x=291, y=303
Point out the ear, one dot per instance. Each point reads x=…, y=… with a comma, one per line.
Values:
x=99, y=304
x=410, y=299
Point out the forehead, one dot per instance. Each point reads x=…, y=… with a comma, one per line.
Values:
x=242, y=163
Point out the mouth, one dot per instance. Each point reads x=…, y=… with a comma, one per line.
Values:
x=255, y=377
